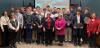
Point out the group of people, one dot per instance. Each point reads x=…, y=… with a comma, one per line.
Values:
x=45, y=25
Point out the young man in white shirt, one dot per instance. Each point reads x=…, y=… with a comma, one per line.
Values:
x=19, y=18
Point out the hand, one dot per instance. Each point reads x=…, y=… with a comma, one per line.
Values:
x=24, y=27
x=68, y=24
x=58, y=28
x=39, y=26
x=31, y=27
x=53, y=30
x=16, y=30
x=21, y=27
x=34, y=24
x=44, y=29
x=81, y=27
x=74, y=27
x=97, y=33
x=88, y=34
x=2, y=30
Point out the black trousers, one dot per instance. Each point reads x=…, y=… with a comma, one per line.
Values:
x=92, y=40
x=20, y=35
x=13, y=37
x=61, y=38
x=85, y=34
x=40, y=36
x=78, y=34
x=5, y=36
x=48, y=37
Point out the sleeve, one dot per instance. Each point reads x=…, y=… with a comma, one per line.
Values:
x=18, y=26
x=22, y=19
x=1, y=25
x=56, y=26
x=64, y=24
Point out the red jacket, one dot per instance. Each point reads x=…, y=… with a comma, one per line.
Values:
x=62, y=25
x=92, y=26
x=99, y=26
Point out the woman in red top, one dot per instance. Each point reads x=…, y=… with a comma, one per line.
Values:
x=48, y=29
x=92, y=27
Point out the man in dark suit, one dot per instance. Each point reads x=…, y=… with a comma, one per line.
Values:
x=39, y=28
x=28, y=22
x=78, y=27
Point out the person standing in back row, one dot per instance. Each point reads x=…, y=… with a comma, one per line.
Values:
x=4, y=26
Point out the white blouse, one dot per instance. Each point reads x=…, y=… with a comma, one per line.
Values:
x=4, y=20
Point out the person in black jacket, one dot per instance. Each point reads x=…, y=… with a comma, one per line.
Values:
x=28, y=22
x=48, y=28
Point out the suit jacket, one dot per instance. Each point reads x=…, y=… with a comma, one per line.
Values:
x=75, y=24
x=40, y=20
x=28, y=19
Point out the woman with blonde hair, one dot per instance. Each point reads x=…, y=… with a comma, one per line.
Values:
x=92, y=27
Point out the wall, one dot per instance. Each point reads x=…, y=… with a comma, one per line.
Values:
x=92, y=4
x=7, y=4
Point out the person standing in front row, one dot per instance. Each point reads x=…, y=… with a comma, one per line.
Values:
x=39, y=24
x=28, y=21
x=4, y=26
x=60, y=25
x=78, y=27
x=14, y=27
x=48, y=27
x=92, y=30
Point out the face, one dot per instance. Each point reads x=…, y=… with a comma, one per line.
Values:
x=59, y=17
x=17, y=11
x=63, y=9
x=68, y=11
x=5, y=13
x=13, y=15
x=28, y=10
x=12, y=9
x=55, y=9
x=86, y=11
x=78, y=13
x=93, y=15
x=34, y=10
x=58, y=10
x=48, y=15
x=79, y=8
